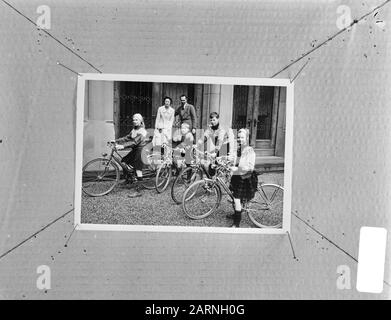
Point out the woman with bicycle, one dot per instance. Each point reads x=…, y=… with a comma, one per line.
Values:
x=244, y=179
x=136, y=140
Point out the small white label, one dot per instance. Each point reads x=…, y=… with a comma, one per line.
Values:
x=371, y=258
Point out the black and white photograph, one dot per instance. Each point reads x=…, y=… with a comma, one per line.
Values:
x=176, y=153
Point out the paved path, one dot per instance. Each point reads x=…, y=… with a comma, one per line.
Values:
x=153, y=208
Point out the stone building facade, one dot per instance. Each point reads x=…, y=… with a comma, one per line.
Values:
x=109, y=106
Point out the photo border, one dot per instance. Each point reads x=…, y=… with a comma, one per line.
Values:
x=81, y=81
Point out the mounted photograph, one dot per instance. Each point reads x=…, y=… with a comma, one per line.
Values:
x=183, y=153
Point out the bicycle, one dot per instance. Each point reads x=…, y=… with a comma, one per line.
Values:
x=203, y=197
x=170, y=166
x=188, y=175
x=101, y=175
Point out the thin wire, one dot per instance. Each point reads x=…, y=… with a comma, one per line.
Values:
x=301, y=69
x=69, y=238
x=34, y=234
x=60, y=64
x=51, y=36
x=290, y=240
x=330, y=38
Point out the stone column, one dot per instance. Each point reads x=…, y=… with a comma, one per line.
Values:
x=116, y=108
x=198, y=103
x=214, y=93
x=100, y=100
x=276, y=104
x=250, y=108
x=157, y=96
x=226, y=105
x=254, y=118
x=205, y=105
x=99, y=127
x=280, y=138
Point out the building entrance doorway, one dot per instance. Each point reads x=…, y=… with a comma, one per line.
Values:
x=144, y=98
x=256, y=108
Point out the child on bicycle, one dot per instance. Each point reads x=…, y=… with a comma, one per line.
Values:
x=186, y=143
x=136, y=140
x=244, y=181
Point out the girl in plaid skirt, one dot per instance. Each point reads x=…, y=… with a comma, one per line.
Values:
x=244, y=180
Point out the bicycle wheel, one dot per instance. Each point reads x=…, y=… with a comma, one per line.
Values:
x=163, y=177
x=99, y=177
x=182, y=181
x=201, y=199
x=266, y=209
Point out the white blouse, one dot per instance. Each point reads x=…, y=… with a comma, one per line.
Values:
x=135, y=132
x=247, y=159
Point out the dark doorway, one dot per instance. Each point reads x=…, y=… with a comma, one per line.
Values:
x=240, y=98
x=134, y=97
x=265, y=110
x=175, y=90
x=253, y=109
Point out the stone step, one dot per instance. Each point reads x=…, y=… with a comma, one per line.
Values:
x=262, y=144
x=269, y=164
x=264, y=152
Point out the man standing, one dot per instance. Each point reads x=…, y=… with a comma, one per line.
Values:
x=187, y=114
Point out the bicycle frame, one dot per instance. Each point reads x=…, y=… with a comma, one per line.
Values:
x=203, y=169
x=169, y=158
x=117, y=159
x=221, y=183
x=226, y=189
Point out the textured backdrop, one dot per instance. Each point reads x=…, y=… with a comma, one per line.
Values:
x=341, y=145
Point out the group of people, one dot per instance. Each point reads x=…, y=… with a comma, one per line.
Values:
x=218, y=140
x=166, y=128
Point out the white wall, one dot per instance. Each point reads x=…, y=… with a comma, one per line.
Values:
x=98, y=119
x=226, y=105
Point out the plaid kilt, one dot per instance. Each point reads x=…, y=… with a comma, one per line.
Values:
x=243, y=187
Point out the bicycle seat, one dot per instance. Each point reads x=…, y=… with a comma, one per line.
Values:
x=104, y=154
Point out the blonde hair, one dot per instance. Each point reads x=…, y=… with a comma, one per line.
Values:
x=246, y=132
x=139, y=117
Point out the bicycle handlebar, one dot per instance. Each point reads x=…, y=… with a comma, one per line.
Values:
x=203, y=153
x=167, y=147
x=221, y=161
x=114, y=145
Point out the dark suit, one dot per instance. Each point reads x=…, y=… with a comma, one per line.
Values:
x=187, y=115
